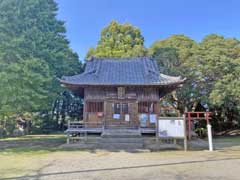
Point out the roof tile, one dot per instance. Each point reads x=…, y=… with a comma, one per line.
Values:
x=121, y=71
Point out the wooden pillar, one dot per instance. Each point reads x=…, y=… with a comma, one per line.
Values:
x=84, y=110
x=157, y=112
x=136, y=117
x=157, y=133
x=85, y=136
x=104, y=114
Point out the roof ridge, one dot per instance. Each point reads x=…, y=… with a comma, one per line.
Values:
x=119, y=59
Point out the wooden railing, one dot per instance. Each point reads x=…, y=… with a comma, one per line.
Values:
x=82, y=124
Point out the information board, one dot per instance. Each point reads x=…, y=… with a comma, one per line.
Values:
x=171, y=127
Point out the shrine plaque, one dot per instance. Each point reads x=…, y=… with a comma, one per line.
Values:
x=121, y=92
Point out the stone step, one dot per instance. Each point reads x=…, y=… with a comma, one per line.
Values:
x=121, y=127
x=114, y=124
x=121, y=145
x=121, y=140
x=120, y=136
x=122, y=132
x=119, y=130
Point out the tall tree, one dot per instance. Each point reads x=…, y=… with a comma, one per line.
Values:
x=212, y=69
x=217, y=63
x=119, y=40
x=172, y=56
x=33, y=53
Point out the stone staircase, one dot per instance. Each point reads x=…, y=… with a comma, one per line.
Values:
x=113, y=124
x=121, y=139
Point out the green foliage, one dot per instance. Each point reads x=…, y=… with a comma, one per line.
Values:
x=119, y=40
x=33, y=53
x=24, y=85
x=180, y=43
x=212, y=69
x=172, y=55
x=217, y=62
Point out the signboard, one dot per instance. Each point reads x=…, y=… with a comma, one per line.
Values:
x=171, y=127
x=127, y=117
x=143, y=120
x=99, y=114
x=153, y=118
x=116, y=116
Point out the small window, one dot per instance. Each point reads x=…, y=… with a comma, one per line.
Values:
x=94, y=107
x=120, y=108
x=146, y=107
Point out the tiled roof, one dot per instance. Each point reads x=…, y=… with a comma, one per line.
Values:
x=122, y=71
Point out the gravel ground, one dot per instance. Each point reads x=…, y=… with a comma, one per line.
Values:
x=105, y=165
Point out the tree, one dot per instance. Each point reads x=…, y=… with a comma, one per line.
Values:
x=172, y=56
x=33, y=53
x=181, y=43
x=118, y=41
x=23, y=85
x=67, y=106
x=217, y=63
x=212, y=69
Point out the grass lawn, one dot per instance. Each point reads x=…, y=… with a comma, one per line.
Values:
x=227, y=139
x=32, y=144
x=23, y=155
x=40, y=144
x=51, y=142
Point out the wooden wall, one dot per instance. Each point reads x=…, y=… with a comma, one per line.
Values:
x=139, y=93
x=109, y=95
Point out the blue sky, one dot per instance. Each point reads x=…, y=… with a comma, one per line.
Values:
x=157, y=19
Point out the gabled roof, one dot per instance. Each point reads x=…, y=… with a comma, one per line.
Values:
x=121, y=71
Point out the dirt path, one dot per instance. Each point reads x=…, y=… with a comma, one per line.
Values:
x=104, y=165
x=40, y=158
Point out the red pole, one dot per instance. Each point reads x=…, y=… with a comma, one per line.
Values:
x=207, y=119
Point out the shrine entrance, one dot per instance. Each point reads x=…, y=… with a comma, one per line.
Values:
x=121, y=114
